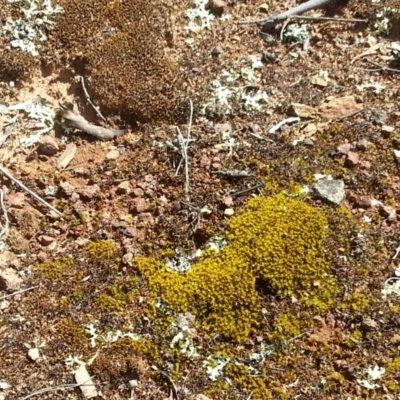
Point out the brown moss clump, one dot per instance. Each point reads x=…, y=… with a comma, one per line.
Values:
x=125, y=359
x=16, y=65
x=125, y=47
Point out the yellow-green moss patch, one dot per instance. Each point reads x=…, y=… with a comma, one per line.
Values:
x=275, y=244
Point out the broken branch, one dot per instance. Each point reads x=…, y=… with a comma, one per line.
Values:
x=78, y=122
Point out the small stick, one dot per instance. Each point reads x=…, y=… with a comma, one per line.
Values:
x=184, y=149
x=5, y=229
x=55, y=388
x=285, y=121
x=381, y=68
x=271, y=22
x=236, y=194
x=334, y=19
x=174, y=388
x=18, y=292
x=89, y=100
x=78, y=122
x=260, y=137
x=33, y=194
x=347, y=115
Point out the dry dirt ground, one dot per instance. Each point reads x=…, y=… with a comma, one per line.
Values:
x=131, y=196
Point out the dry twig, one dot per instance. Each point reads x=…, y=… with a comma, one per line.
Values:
x=184, y=144
x=88, y=99
x=174, y=388
x=3, y=208
x=53, y=389
x=78, y=122
x=271, y=22
x=381, y=68
x=32, y=193
x=18, y=292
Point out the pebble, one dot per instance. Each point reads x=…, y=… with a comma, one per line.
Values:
x=139, y=205
x=363, y=201
x=308, y=142
x=362, y=145
x=352, y=159
x=124, y=187
x=113, y=154
x=45, y=240
x=67, y=188
x=138, y=192
x=229, y=212
x=48, y=146
x=344, y=148
x=10, y=280
x=34, y=354
x=42, y=256
x=331, y=190
x=89, y=191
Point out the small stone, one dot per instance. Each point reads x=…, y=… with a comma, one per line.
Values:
x=138, y=192
x=308, y=142
x=42, y=256
x=309, y=130
x=45, y=240
x=48, y=146
x=217, y=6
x=149, y=178
x=124, y=187
x=88, y=192
x=113, y=154
x=259, y=339
x=267, y=57
x=389, y=212
x=363, y=201
x=138, y=205
x=146, y=219
x=34, y=354
x=176, y=207
x=222, y=128
x=331, y=190
x=16, y=200
x=386, y=131
x=339, y=107
x=216, y=51
x=302, y=110
x=67, y=156
x=362, y=145
x=67, y=188
x=127, y=258
x=369, y=323
x=365, y=165
x=227, y=201
x=318, y=80
x=344, y=148
x=352, y=159
x=229, y=212
x=9, y=280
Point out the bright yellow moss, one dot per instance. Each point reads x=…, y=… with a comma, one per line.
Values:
x=119, y=294
x=101, y=250
x=393, y=366
x=275, y=242
x=55, y=269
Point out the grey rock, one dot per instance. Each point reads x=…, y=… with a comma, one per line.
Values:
x=331, y=190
